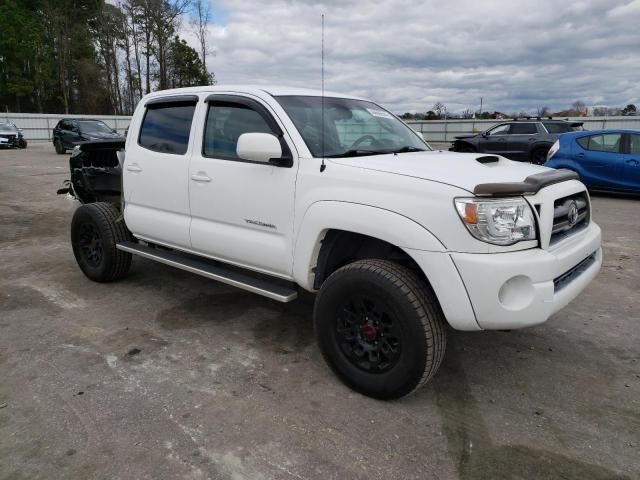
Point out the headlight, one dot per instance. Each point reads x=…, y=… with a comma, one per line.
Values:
x=500, y=222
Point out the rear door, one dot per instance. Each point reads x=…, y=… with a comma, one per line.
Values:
x=521, y=136
x=600, y=159
x=631, y=163
x=156, y=169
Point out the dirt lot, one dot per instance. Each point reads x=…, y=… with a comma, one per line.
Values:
x=169, y=375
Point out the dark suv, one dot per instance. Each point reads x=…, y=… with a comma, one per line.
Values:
x=527, y=139
x=69, y=131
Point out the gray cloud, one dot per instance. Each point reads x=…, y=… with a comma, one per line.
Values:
x=407, y=55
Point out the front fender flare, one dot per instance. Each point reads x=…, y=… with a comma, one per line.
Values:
x=375, y=222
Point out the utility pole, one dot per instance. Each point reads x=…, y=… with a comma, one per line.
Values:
x=480, y=106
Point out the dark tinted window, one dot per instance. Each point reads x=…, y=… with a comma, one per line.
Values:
x=605, y=143
x=556, y=127
x=225, y=124
x=499, y=130
x=523, y=129
x=635, y=144
x=166, y=128
x=583, y=142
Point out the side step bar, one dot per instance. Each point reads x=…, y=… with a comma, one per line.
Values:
x=273, y=288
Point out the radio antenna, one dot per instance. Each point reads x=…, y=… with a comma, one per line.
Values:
x=323, y=166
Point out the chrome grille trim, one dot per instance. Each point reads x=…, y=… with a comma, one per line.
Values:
x=565, y=226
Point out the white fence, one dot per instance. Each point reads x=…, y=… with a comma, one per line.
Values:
x=38, y=126
x=443, y=131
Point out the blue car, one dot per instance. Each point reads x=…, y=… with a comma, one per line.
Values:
x=604, y=159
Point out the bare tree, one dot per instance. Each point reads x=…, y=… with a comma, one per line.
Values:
x=439, y=109
x=543, y=111
x=579, y=106
x=200, y=23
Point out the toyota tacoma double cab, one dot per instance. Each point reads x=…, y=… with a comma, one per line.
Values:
x=278, y=190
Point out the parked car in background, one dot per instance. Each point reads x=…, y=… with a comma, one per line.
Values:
x=22, y=142
x=527, y=139
x=604, y=159
x=70, y=131
x=9, y=133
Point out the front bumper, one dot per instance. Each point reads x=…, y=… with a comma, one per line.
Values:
x=524, y=288
x=503, y=291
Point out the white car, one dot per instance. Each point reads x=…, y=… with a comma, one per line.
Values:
x=278, y=189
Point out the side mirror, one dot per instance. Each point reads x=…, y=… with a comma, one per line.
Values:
x=258, y=147
x=485, y=134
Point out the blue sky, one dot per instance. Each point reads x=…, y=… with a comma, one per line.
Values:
x=407, y=55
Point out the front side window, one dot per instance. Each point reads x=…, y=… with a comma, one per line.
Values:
x=500, y=130
x=225, y=123
x=342, y=127
x=605, y=143
x=523, y=129
x=166, y=127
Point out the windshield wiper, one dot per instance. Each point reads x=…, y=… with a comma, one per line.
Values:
x=356, y=153
x=408, y=149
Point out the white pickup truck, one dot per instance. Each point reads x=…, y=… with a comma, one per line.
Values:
x=277, y=189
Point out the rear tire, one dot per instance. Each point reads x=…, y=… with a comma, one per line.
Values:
x=380, y=328
x=60, y=150
x=95, y=231
x=539, y=155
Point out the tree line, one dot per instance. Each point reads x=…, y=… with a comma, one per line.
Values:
x=93, y=57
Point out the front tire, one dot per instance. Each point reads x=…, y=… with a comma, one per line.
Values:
x=95, y=231
x=380, y=328
x=60, y=150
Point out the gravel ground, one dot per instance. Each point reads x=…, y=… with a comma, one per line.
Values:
x=169, y=375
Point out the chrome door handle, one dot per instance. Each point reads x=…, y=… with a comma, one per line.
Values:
x=134, y=168
x=200, y=177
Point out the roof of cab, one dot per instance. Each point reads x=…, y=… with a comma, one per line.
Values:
x=258, y=90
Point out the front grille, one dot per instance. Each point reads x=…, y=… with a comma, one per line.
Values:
x=11, y=139
x=567, y=277
x=570, y=215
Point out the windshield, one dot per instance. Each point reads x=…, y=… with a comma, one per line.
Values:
x=351, y=127
x=94, y=127
x=5, y=127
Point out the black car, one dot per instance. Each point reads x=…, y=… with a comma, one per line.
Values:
x=70, y=131
x=9, y=135
x=527, y=139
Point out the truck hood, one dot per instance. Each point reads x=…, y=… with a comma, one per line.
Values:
x=462, y=170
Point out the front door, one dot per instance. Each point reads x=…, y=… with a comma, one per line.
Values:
x=600, y=159
x=495, y=140
x=242, y=212
x=155, y=173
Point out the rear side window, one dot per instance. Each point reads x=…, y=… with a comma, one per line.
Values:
x=609, y=142
x=225, y=123
x=556, y=127
x=634, y=144
x=523, y=129
x=166, y=127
